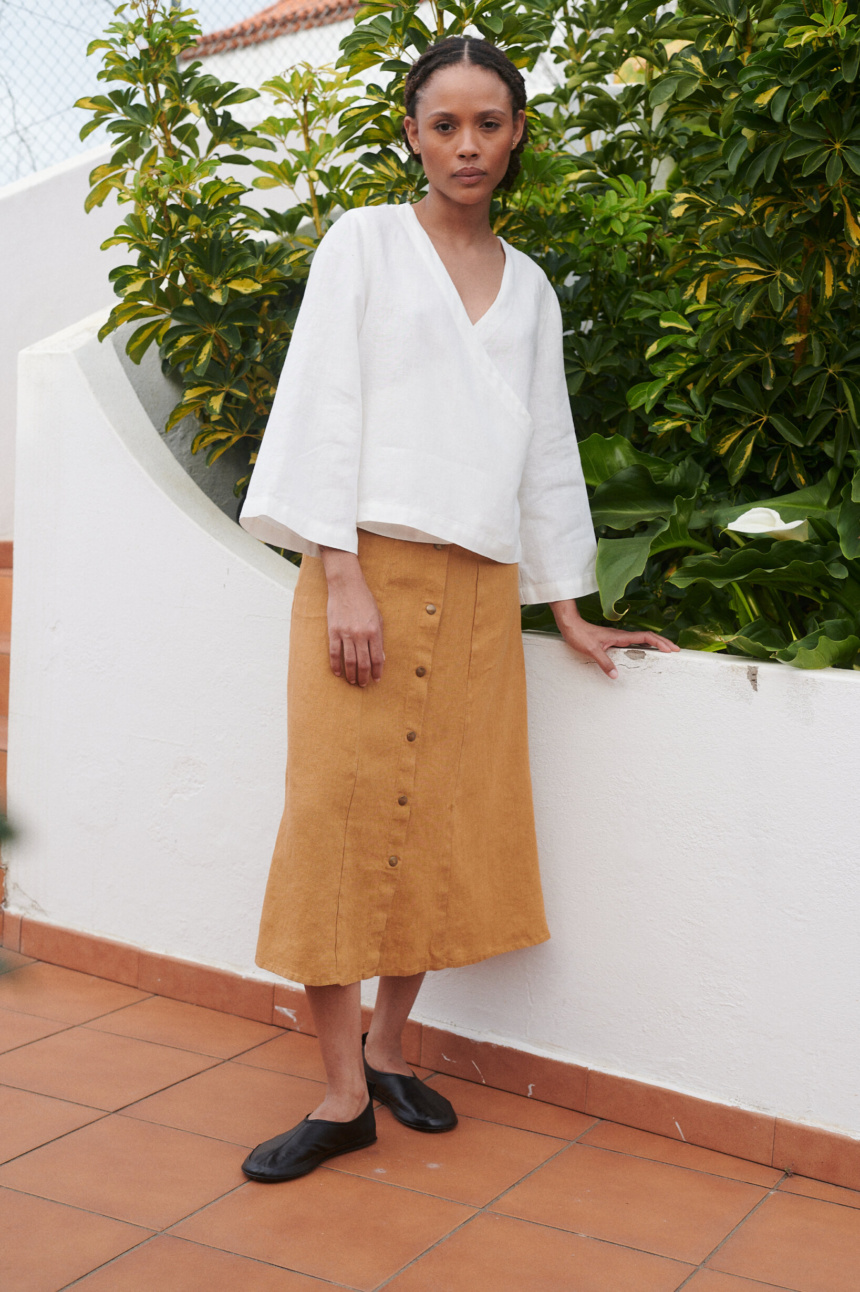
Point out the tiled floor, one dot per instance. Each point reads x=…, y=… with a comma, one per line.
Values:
x=124, y=1118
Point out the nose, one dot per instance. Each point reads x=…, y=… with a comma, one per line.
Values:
x=468, y=144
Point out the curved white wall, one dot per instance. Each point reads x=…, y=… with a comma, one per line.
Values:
x=695, y=818
x=54, y=273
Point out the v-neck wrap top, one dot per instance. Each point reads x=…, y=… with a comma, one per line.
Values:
x=396, y=414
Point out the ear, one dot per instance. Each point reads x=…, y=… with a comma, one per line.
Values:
x=410, y=125
x=519, y=126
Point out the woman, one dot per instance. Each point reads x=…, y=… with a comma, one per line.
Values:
x=421, y=454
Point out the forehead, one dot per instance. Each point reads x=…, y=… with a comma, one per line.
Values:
x=464, y=87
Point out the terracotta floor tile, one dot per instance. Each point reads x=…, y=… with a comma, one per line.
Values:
x=233, y=1102
x=471, y=1164
x=329, y=1224
x=129, y=1170
x=97, y=1069
x=648, y=1205
x=497, y=1254
x=658, y=1148
x=472, y=1100
x=818, y=1189
x=187, y=1027
x=709, y=1281
x=292, y=1052
x=10, y=960
x=28, y=1120
x=20, y=1029
x=795, y=1242
x=179, y=1266
x=62, y=994
x=68, y=1242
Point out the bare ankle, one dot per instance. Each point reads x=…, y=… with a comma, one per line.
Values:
x=386, y=1057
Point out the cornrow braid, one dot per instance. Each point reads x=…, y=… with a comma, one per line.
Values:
x=469, y=49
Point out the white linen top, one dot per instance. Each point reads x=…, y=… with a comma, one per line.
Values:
x=395, y=414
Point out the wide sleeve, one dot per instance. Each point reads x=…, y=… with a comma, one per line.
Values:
x=304, y=486
x=556, y=532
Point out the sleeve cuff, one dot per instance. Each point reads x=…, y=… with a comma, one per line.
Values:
x=302, y=534
x=561, y=590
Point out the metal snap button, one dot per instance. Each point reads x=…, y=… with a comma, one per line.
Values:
x=392, y=861
x=403, y=800
x=412, y=735
x=420, y=670
x=431, y=609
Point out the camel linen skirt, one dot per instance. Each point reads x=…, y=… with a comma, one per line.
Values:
x=407, y=841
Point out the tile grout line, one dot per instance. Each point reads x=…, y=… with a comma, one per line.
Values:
x=702, y=1264
x=193, y=1242
x=482, y=1210
x=218, y=1061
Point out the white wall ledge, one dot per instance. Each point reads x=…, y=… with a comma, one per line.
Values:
x=696, y=826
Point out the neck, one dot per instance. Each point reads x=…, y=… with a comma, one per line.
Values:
x=454, y=221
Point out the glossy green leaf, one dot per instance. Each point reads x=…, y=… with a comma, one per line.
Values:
x=777, y=563
x=835, y=642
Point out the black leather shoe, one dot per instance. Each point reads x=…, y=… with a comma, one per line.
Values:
x=298, y=1151
x=413, y=1103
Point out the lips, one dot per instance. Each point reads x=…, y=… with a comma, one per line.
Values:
x=469, y=172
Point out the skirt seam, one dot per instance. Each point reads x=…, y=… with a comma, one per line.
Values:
x=346, y=835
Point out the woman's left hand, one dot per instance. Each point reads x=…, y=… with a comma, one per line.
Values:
x=594, y=640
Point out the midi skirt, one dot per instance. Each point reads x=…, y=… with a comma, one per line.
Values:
x=407, y=841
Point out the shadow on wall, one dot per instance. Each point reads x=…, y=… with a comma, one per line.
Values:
x=159, y=393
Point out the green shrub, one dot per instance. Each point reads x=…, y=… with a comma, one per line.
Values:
x=691, y=192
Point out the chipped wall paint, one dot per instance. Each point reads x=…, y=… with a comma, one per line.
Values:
x=696, y=818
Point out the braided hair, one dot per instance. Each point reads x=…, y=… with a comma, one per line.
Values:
x=481, y=53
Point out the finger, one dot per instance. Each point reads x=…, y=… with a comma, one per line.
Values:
x=377, y=656
x=604, y=661
x=362, y=659
x=335, y=654
x=662, y=643
x=349, y=668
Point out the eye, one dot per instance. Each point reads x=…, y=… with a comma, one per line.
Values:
x=444, y=127
x=491, y=125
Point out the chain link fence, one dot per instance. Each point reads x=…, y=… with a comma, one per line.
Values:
x=44, y=69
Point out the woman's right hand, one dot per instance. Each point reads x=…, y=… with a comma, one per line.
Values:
x=354, y=621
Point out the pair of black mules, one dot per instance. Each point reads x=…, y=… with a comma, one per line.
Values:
x=308, y=1145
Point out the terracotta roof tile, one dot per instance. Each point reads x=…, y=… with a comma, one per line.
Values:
x=278, y=19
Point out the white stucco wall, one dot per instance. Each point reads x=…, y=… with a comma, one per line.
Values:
x=696, y=817
x=54, y=274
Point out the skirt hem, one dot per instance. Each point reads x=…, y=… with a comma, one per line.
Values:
x=435, y=965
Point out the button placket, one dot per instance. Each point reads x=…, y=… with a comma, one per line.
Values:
x=416, y=698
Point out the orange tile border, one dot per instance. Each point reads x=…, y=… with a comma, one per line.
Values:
x=99, y=956
x=12, y=931
x=200, y=985
x=736, y=1131
x=806, y=1150
x=533, y=1075
x=820, y=1154
x=290, y=1009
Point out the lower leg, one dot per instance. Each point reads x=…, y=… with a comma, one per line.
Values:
x=384, y=1045
x=337, y=1015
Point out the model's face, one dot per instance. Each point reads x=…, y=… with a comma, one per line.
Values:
x=465, y=129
